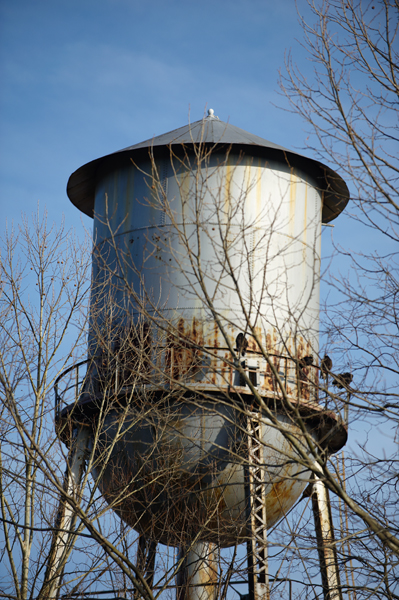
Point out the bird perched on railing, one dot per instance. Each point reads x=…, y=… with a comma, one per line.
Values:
x=306, y=361
x=326, y=366
x=343, y=380
x=241, y=344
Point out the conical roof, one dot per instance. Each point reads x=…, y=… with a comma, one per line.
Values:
x=210, y=131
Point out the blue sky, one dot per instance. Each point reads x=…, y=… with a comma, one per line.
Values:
x=81, y=79
x=84, y=78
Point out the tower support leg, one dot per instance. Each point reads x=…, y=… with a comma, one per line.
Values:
x=256, y=479
x=61, y=537
x=197, y=578
x=325, y=541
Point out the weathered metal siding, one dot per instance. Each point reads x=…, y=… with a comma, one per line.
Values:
x=181, y=471
x=264, y=216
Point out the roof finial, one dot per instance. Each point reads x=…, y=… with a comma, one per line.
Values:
x=211, y=114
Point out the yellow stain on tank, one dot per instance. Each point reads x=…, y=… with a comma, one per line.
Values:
x=259, y=189
x=227, y=187
x=293, y=192
x=305, y=228
x=184, y=190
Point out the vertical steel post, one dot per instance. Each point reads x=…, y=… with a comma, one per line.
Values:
x=256, y=476
x=197, y=578
x=325, y=541
x=73, y=476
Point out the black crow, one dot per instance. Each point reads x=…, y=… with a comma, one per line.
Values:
x=306, y=361
x=241, y=344
x=343, y=380
x=326, y=366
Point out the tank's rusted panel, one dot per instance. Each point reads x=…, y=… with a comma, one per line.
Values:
x=196, y=356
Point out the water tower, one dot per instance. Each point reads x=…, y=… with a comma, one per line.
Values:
x=200, y=398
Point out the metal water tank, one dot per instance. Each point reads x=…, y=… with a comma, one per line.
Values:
x=205, y=292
